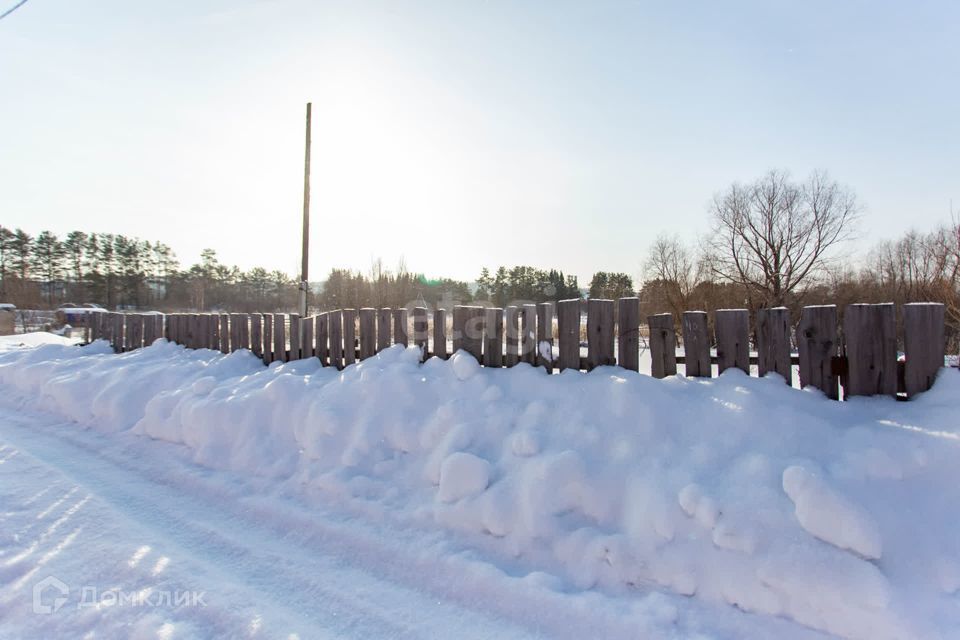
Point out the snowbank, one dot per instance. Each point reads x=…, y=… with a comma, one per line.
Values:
x=842, y=516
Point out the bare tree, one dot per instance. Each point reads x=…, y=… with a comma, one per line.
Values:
x=774, y=235
x=673, y=267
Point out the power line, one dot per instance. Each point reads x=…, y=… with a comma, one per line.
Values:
x=12, y=9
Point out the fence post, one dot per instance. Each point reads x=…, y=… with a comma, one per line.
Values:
x=493, y=337
x=224, y=333
x=467, y=331
x=256, y=334
x=511, y=317
x=335, y=326
x=528, y=339
x=322, y=330
x=148, y=329
x=421, y=333
x=205, y=332
x=733, y=339
x=568, y=333
x=440, y=333
x=817, y=344
x=628, y=333
x=545, y=335
x=193, y=331
x=349, y=336
x=383, y=328
x=268, y=356
x=773, y=343
x=294, y=336
x=870, y=339
x=923, y=345
x=599, y=333
x=306, y=346
x=696, y=344
x=280, y=337
x=368, y=332
x=400, y=330
x=663, y=345
x=130, y=332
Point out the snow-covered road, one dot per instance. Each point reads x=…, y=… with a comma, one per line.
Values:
x=153, y=546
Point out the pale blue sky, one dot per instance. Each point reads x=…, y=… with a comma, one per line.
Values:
x=462, y=134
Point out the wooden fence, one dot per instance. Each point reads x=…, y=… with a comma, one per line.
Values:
x=861, y=355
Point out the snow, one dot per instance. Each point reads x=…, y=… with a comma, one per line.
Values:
x=34, y=339
x=728, y=507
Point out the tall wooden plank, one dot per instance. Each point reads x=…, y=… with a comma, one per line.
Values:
x=421, y=333
x=600, y=333
x=267, y=338
x=130, y=331
x=817, y=344
x=400, y=330
x=628, y=333
x=95, y=324
x=118, y=332
x=663, y=345
x=511, y=320
x=322, y=331
x=468, y=330
x=349, y=336
x=224, y=333
x=383, y=328
x=214, y=331
x=528, y=334
x=280, y=338
x=568, y=334
x=923, y=345
x=696, y=344
x=256, y=334
x=335, y=328
x=168, y=327
x=193, y=330
x=732, y=327
x=148, y=328
x=870, y=344
x=294, y=336
x=773, y=342
x=307, y=348
x=544, y=351
x=368, y=332
x=203, y=331
x=440, y=333
x=493, y=337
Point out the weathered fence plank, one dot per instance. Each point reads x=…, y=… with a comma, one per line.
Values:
x=421, y=333
x=132, y=330
x=244, y=330
x=493, y=337
x=400, y=329
x=322, y=331
x=335, y=327
x=773, y=343
x=870, y=344
x=280, y=337
x=818, y=344
x=528, y=339
x=268, y=356
x=511, y=319
x=149, y=327
x=440, y=333
x=383, y=328
x=349, y=336
x=568, y=334
x=628, y=333
x=599, y=333
x=923, y=345
x=696, y=344
x=256, y=334
x=368, y=332
x=214, y=329
x=732, y=327
x=294, y=335
x=468, y=330
x=225, y=333
x=663, y=345
x=204, y=332
x=544, y=351
x=307, y=350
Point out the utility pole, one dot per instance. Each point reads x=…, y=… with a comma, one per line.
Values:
x=304, y=281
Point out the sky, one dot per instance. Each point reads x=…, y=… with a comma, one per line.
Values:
x=459, y=134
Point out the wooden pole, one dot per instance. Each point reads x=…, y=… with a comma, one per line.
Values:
x=306, y=222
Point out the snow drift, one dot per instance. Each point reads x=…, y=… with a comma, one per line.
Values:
x=841, y=516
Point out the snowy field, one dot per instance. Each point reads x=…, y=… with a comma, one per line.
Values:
x=188, y=494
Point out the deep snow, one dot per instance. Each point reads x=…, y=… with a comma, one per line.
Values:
x=687, y=498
